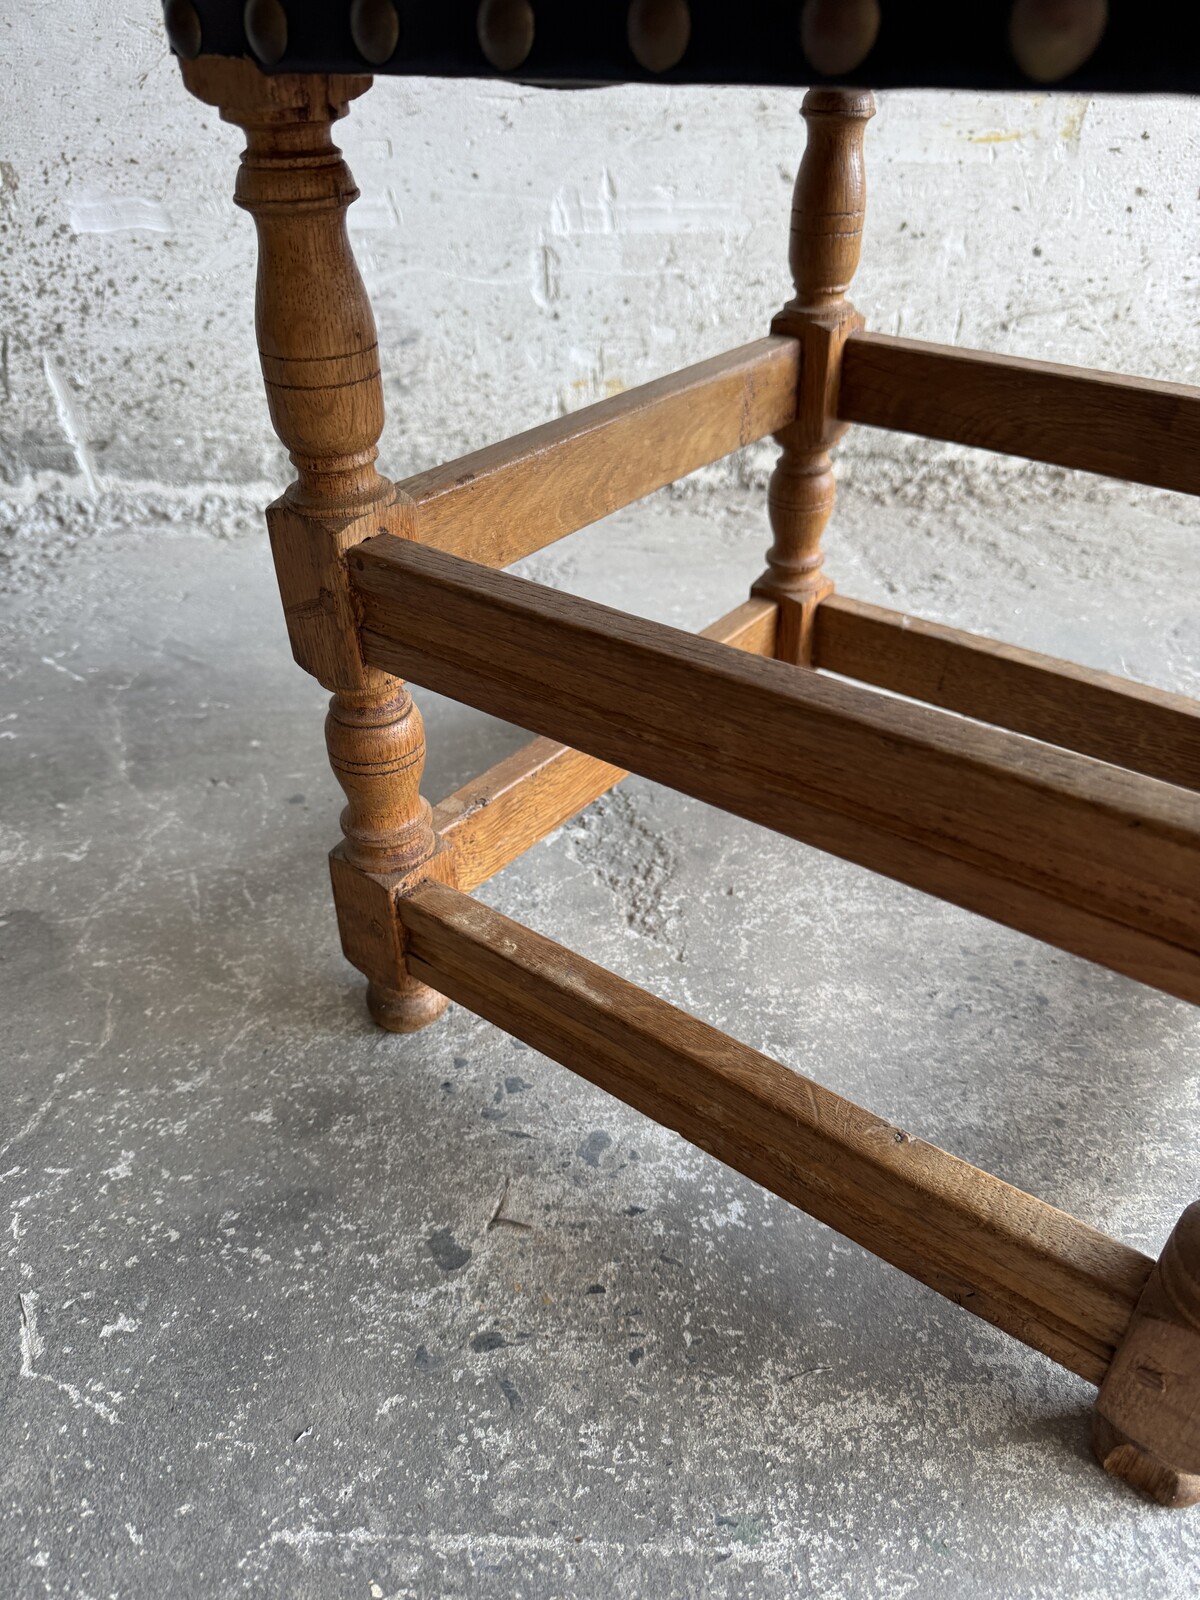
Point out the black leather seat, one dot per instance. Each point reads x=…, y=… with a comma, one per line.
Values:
x=982, y=44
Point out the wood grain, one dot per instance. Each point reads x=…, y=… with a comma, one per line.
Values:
x=496, y=817
x=1111, y=718
x=1099, y=861
x=1045, y=1278
x=1131, y=428
x=508, y=500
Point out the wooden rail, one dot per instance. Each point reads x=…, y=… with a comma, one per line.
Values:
x=1099, y=861
x=496, y=817
x=1049, y=1280
x=1113, y=719
x=510, y=499
x=1132, y=428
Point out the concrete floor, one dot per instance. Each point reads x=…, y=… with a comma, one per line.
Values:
x=298, y=1308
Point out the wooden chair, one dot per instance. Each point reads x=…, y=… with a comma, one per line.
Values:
x=1059, y=801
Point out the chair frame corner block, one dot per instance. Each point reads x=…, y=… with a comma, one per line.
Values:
x=1059, y=801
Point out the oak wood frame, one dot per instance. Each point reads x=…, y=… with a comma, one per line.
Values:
x=1087, y=837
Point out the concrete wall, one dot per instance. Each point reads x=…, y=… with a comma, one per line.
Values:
x=526, y=253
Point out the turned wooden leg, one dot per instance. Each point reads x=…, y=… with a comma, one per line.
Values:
x=1146, y=1426
x=377, y=748
x=320, y=362
x=826, y=234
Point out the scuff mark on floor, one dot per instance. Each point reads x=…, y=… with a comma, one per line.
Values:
x=32, y=1345
x=33, y=1348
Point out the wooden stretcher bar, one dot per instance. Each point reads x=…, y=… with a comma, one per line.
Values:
x=1095, y=713
x=1096, y=860
x=1132, y=428
x=1052, y=1282
x=510, y=499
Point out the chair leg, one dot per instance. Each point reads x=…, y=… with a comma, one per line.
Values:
x=1146, y=1425
x=826, y=234
x=320, y=362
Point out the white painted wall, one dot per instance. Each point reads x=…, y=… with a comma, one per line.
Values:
x=526, y=252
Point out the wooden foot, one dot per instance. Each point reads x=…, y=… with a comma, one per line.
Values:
x=1146, y=1427
x=406, y=1010
x=1141, y=1469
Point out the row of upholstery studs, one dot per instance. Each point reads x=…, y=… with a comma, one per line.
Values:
x=1049, y=38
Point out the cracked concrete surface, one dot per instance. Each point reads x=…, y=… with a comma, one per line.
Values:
x=295, y=1307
